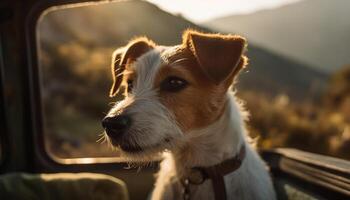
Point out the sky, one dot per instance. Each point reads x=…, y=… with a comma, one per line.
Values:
x=203, y=10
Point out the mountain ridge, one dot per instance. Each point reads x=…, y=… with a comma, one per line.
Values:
x=106, y=25
x=313, y=32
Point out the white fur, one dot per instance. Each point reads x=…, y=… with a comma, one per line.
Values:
x=212, y=145
x=153, y=122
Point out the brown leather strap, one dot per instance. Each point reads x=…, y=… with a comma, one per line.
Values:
x=216, y=173
x=229, y=165
x=218, y=184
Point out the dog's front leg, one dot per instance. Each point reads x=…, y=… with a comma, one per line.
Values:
x=166, y=186
x=163, y=191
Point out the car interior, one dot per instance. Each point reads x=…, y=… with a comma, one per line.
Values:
x=54, y=64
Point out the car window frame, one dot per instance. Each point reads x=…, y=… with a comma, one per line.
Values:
x=44, y=157
x=4, y=152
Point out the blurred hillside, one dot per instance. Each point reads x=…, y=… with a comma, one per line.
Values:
x=322, y=128
x=112, y=25
x=291, y=104
x=315, y=32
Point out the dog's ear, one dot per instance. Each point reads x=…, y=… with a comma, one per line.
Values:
x=125, y=55
x=219, y=56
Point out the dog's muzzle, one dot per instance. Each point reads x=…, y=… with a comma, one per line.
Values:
x=116, y=126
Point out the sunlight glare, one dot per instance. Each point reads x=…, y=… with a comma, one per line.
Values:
x=204, y=10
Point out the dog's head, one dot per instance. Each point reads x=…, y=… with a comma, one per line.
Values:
x=170, y=91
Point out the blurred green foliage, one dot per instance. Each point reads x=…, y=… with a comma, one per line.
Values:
x=320, y=126
x=286, y=109
x=76, y=96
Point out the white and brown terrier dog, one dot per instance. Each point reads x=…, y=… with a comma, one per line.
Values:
x=178, y=102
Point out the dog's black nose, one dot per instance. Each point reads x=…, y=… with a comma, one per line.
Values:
x=116, y=126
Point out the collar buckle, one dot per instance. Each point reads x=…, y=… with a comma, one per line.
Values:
x=197, y=176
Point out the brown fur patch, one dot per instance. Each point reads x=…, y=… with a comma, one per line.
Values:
x=217, y=54
x=209, y=75
x=125, y=56
x=204, y=100
x=129, y=74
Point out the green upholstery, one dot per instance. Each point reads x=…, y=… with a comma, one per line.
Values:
x=63, y=186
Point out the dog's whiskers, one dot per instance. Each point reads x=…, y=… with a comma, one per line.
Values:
x=102, y=139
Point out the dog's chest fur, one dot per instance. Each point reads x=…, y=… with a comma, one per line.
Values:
x=214, y=144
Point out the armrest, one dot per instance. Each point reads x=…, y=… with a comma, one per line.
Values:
x=62, y=186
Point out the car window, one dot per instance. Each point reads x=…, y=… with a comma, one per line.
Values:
x=75, y=60
x=296, y=86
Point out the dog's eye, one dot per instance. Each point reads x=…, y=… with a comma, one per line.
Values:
x=130, y=85
x=173, y=84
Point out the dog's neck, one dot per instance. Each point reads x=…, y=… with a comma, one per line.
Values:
x=217, y=142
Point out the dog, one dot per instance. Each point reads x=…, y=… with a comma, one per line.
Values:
x=179, y=104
